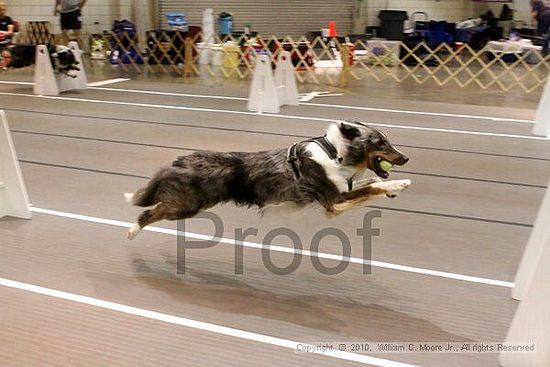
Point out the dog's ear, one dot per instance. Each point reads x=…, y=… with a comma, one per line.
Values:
x=349, y=131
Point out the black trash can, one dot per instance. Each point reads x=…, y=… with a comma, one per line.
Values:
x=392, y=24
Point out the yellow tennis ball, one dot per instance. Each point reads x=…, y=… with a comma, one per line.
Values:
x=385, y=165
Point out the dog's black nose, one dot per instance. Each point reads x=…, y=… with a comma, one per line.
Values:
x=403, y=160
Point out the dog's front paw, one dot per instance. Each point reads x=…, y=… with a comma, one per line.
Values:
x=337, y=210
x=394, y=187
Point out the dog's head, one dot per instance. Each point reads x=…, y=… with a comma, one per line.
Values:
x=364, y=147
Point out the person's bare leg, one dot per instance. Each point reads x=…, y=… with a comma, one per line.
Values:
x=65, y=36
x=77, y=36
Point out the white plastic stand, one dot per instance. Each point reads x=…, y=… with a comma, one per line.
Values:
x=263, y=96
x=542, y=118
x=207, y=35
x=531, y=323
x=46, y=83
x=80, y=81
x=538, y=242
x=285, y=80
x=140, y=10
x=268, y=93
x=14, y=200
x=208, y=25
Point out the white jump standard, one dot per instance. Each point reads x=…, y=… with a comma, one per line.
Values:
x=48, y=82
x=14, y=200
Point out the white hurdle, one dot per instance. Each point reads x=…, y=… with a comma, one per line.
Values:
x=14, y=200
x=263, y=97
x=285, y=80
x=268, y=92
x=47, y=83
x=532, y=287
x=542, y=118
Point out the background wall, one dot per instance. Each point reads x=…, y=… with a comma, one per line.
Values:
x=523, y=11
x=451, y=10
x=101, y=11
x=366, y=12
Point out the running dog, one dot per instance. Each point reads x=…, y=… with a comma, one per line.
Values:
x=319, y=170
x=20, y=56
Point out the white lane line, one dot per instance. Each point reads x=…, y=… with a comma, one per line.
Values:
x=305, y=97
x=290, y=250
x=316, y=94
x=309, y=96
x=214, y=110
x=473, y=117
x=147, y=92
x=194, y=324
x=92, y=85
x=106, y=82
x=171, y=94
x=15, y=83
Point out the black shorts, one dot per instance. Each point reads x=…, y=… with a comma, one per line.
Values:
x=71, y=20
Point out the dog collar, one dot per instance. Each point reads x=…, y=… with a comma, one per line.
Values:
x=322, y=141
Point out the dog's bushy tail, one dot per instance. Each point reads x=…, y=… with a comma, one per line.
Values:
x=144, y=196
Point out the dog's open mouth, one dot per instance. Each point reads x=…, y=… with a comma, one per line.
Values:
x=379, y=170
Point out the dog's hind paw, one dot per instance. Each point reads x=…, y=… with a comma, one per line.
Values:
x=129, y=197
x=133, y=231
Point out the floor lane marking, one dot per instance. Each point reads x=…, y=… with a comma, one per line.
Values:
x=194, y=324
x=106, y=82
x=280, y=116
x=213, y=127
x=390, y=110
x=282, y=249
x=374, y=109
x=181, y=148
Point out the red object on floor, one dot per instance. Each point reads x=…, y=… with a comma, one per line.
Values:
x=351, y=47
x=332, y=28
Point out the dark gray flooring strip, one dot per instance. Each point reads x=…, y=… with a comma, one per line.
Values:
x=207, y=127
x=105, y=140
x=452, y=216
x=194, y=149
x=83, y=169
x=472, y=179
x=477, y=219
x=474, y=152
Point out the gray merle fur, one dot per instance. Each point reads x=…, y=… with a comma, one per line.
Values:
x=201, y=180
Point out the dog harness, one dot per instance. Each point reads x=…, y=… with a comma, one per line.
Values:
x=325, y=144
x=322, y=141
x=328, y=148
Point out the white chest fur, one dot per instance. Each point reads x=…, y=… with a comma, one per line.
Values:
x=335, y=172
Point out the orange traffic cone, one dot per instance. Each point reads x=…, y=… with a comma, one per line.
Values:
x=332, y=28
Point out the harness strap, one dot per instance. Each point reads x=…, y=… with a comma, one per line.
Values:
x=327, y=146
x=323, y=142
x=292, y=157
